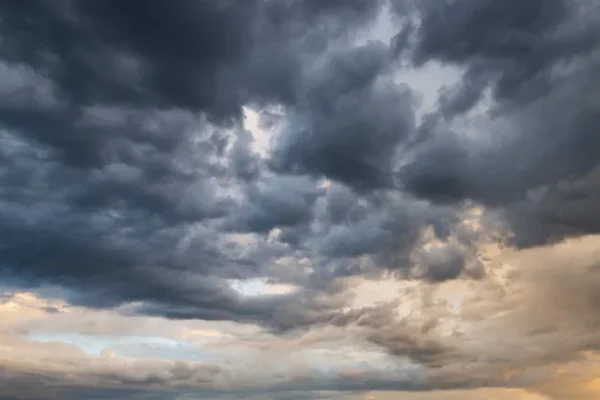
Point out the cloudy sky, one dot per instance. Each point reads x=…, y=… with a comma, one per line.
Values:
x=299, y=199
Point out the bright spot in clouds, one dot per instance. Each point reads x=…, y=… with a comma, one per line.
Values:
x=257, y=287
x=261, y=137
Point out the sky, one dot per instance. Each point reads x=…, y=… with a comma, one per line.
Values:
x=299, y=200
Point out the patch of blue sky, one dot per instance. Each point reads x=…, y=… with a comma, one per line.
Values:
x=131, y=346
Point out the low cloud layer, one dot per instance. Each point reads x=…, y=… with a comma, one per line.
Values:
x=178, y=161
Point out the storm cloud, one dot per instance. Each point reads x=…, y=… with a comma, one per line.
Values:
x=153, y=153
x=535, y=65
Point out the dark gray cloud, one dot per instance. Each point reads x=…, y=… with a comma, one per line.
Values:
x=566, y=209
x=537, y=64
x=244, y=161
x=126, y=174
x=122, y=172
x=162, y=54
x=128, y=180
x=119, y=153
x=276, y=202
x=441, y=263
x=349, y=121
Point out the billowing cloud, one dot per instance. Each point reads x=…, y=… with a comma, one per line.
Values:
x=534, y=67
x=362, y=195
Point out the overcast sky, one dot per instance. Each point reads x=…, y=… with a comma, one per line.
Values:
x=299, y=199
